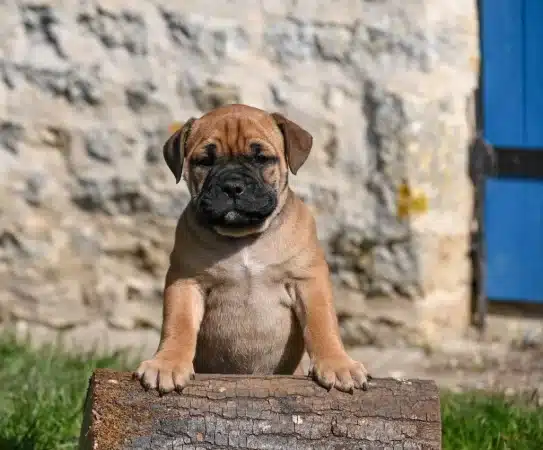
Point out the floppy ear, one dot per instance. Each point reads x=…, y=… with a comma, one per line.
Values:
x=297, y=142
x=174, y=149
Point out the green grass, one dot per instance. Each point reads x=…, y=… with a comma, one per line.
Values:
x=476, y=421
x=42, y=394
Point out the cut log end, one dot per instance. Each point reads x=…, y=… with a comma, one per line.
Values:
x=250, y=412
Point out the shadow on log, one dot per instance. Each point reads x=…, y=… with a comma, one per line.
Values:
x=250, y=412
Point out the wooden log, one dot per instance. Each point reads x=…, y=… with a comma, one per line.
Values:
x=250, y=412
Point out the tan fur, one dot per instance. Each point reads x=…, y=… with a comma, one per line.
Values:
x=249, y=304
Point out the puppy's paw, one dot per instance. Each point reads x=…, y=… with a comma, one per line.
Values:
x=164, y=375
x=343, y=373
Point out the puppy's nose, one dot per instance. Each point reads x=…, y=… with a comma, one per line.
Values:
x=233, y=187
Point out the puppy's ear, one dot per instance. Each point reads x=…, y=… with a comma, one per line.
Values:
x=174, y=148
x=297, y=141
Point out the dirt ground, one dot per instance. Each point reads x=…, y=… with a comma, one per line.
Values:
x=463, y=365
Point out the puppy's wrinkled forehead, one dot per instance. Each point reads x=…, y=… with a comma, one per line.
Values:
x=233, y=127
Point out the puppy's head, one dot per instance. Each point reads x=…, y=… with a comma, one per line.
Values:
x=235, y=160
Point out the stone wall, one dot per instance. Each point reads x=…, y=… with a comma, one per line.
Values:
x=88, y=89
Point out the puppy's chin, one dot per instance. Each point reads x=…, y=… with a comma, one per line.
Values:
x=234, y=224
x=241, y=232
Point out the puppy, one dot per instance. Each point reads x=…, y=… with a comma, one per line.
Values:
x=248, y=286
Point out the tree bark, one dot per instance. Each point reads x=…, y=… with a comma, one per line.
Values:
x=253, y=412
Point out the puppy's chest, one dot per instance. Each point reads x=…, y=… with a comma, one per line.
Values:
x=247, y=266
x=249, y=278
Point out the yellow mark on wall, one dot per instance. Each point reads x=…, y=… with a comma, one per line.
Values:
x=410, y=202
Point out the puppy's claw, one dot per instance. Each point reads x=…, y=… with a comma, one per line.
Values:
x=181, y=380
x=323, y=379
x=345, y=382
x=343, y=373
x=163, y=375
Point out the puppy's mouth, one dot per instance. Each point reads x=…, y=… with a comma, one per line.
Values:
x=216, y=214
x=236, y=201
x=235, y=218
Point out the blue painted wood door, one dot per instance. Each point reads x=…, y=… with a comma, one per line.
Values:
x=512, y=110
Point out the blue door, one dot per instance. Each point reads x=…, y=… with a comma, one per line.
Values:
x=512, y=122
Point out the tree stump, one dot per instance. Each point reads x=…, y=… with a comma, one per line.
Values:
x=254, y=412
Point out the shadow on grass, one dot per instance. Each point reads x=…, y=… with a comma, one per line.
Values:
x=17, y=444
x=28, y=443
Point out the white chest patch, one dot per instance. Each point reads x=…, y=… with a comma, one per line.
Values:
x=250, y=264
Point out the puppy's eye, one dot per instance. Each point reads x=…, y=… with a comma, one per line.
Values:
x=259, y=156
x=203, y=161
x=206, y=159
x=256, y=147
x=262, y=158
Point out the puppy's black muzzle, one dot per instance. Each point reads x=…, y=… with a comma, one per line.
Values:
x=235, y=196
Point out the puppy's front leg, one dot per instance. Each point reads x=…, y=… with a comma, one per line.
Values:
x=172, y=366
x=331, y=366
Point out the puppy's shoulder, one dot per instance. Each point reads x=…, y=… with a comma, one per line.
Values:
x=186, y=240
x=303, y=237
x=302, y=222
